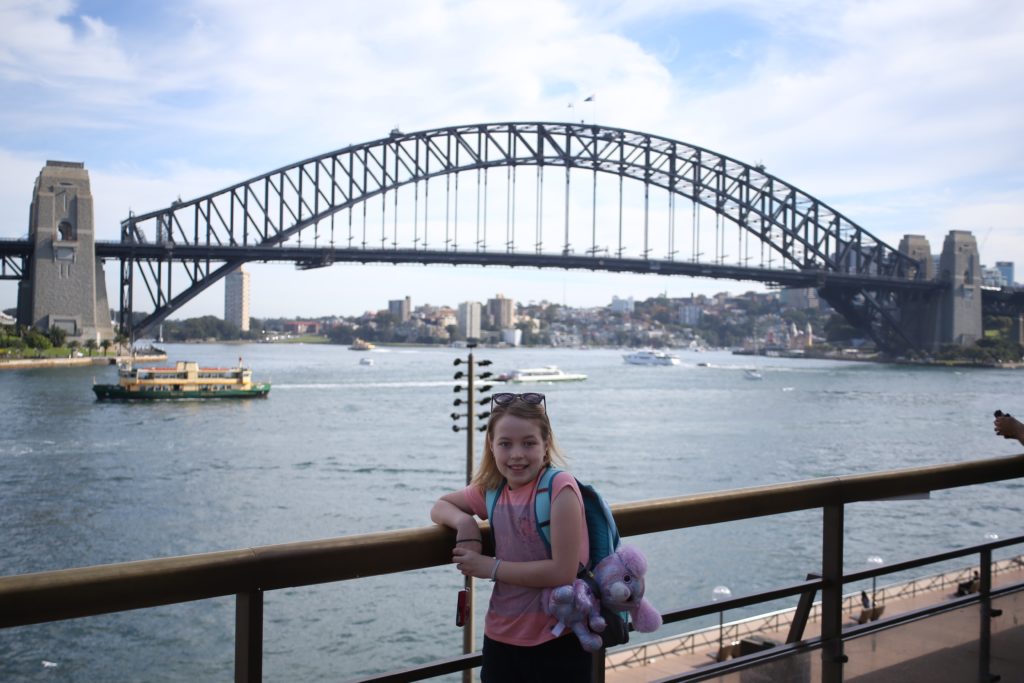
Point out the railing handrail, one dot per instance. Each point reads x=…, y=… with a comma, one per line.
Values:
x=68, y=593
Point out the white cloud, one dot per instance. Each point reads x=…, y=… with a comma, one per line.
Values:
x=906, y=117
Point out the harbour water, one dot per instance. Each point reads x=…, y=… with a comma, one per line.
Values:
x=341, y=448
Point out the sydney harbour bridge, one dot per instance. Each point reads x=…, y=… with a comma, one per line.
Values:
x=537, y=195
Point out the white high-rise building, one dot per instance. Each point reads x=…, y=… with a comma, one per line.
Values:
x=236, y=298
x=622, y=305
x=469, y=319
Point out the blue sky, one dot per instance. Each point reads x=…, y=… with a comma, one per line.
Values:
x=906, y=116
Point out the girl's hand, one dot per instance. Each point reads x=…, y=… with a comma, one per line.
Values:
x=471, y=563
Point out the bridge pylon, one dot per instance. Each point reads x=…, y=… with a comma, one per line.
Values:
x=64, y=286
x=952, y=314
x=960, y=311
x=919, y=311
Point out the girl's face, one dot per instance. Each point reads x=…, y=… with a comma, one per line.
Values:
x=518, y=449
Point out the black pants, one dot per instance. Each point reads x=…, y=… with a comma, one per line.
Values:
x=561, y=660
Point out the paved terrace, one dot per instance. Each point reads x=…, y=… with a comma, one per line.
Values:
x=666, y=657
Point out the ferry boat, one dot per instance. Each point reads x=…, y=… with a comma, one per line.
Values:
x=361, y=345
x=648, y=357
x=185, y=380
x=548, y=373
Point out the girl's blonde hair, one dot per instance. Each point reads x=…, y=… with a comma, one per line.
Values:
x=487, y=475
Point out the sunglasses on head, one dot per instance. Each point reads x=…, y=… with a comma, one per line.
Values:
x=504, y=399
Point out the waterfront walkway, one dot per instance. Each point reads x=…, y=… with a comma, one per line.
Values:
x=689, y=651
x=77, y=361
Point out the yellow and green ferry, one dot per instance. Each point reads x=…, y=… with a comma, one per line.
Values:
x=184, y=381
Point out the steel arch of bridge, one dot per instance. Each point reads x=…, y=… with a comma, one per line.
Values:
x=255, y=220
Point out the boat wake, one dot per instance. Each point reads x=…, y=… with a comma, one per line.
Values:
x=363, y=385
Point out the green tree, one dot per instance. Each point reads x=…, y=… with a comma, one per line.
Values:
x=120, y=339
x=341, y=334
x=106, y=345
x=57, y=336
x=838, y=330
x=91, y=345
x=35, y=339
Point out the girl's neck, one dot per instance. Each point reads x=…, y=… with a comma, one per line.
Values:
x=532, y=482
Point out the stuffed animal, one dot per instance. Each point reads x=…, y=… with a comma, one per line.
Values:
x=576, y=607
x=620, y=579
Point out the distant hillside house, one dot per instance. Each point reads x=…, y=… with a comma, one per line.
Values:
x=302, y=327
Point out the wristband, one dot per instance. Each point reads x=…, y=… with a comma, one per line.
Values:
x=494, y=572
x=469, y=540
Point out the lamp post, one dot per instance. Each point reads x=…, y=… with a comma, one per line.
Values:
x=876, y=561
x=720, y=593
x=470, y=402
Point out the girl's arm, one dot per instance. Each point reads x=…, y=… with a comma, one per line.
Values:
x=453, y=511
x=566, y=536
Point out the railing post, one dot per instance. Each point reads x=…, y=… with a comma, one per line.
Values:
x=249, y=637
x=469, y=625
x=985, y=605
x=832, y=657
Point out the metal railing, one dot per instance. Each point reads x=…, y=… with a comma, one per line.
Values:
x=249, y=573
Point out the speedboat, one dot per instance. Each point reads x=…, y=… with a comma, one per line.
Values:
x=752, y=373
x=648, y=357
x=548, y=373
x=361, y=345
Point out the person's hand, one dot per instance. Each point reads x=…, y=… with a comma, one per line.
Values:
x=1009, y=427
x=471, y=563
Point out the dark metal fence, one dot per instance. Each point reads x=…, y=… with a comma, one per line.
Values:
x=249, y=573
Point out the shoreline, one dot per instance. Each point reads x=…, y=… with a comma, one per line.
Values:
x=22, y=363
x=33, y=363
x=858, y=358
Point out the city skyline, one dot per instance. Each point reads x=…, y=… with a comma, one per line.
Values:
x=906, y=118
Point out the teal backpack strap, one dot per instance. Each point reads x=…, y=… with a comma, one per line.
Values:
x=542, y=504
x=491, y=499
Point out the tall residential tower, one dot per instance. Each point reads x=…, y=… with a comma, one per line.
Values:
x=236, y=298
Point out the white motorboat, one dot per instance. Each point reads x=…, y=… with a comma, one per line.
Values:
x=548, y=373
x=753, y=373
x=649, y=357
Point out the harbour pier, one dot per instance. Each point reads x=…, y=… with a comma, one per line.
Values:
x=696, y=651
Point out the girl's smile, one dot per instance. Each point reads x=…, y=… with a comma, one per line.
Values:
x=519, y=451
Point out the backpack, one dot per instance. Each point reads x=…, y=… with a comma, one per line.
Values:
x=602, y=533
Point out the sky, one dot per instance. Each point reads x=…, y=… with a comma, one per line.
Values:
x=906, y=116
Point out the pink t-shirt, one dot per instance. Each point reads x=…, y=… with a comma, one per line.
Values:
x=516, y=615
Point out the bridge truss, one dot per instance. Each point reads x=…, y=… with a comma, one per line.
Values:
x=14, y=258
x=639, y=203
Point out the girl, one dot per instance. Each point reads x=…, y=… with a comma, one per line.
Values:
x=518, y=642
